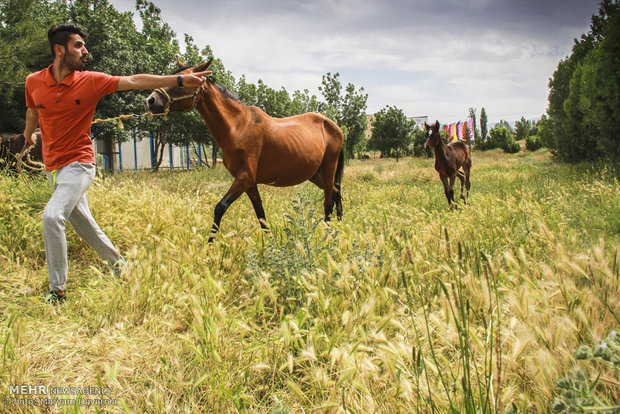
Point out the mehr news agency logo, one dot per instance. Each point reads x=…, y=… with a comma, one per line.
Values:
x=45, y=396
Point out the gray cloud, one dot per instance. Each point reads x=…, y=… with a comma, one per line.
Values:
x=427, y=57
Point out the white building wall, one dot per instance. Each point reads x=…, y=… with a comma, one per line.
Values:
x=138, y=156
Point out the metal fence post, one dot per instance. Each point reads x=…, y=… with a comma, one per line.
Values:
x=152, y=149
x=170, y=155
x=135, y=151
x=120, y=158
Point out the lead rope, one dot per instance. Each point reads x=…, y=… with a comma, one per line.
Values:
x=38, y=166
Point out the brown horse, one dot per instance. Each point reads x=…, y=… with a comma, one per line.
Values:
x=259, y=149
x=448, y=161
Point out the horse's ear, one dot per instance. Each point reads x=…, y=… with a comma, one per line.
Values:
x=436, y=124
x=426, y=127
x=203, y=66
x=180, y=63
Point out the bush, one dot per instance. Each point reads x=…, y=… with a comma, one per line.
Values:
x=533, y=143
x=499, y=138
x=512, y=147
x=577, y=392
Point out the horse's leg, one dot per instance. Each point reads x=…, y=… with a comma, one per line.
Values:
x=317, y=179
x=338, y=184
x=257, y=203
x=462, y=180
x=467, y=169
x=238, y=187
x=328, y=205
x=338, y=199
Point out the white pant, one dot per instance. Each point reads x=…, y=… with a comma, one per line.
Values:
x=69, y=202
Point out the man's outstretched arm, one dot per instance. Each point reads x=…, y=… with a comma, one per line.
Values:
x=145, y=81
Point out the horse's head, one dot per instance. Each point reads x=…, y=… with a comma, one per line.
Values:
x=432, y=133
x=176, y=98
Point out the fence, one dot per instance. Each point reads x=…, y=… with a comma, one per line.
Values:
x=139, y=155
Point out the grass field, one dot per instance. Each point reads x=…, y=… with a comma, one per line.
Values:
x=405, y=306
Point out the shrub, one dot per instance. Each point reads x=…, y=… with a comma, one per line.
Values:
x=533, y=143
x=577, y=392
x=512, y=147
x=499, y=137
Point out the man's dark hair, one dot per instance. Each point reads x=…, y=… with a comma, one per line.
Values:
x=60, y=34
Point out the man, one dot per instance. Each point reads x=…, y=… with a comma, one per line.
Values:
x=61, y=99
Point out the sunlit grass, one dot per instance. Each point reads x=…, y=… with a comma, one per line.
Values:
x=386, y=311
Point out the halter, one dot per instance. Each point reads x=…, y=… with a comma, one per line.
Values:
x=170, y=100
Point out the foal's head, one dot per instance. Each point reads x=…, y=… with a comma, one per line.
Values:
x=175, y=98
x=432, y=133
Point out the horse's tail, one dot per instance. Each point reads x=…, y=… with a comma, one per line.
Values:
x=339, y=170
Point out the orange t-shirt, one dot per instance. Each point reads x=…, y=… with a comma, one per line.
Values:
x=66, y=112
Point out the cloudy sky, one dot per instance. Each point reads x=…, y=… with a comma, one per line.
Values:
x=428, y=57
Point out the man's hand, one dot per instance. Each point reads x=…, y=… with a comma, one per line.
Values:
x=32, y=139
x=195, y=79
x=32, y=120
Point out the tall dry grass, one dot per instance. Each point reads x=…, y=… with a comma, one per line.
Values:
x=405, y=306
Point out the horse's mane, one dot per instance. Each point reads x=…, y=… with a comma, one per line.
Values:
x=220, y=87
x=225, y=91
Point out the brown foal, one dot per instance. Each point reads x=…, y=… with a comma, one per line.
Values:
x=449, y=159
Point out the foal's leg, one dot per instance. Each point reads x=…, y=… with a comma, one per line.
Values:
x=238, y=187
x=462, y=180
x=257, y=203
x=451, y=190
x=446, y=188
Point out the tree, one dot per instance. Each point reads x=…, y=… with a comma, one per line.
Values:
x=302, y=102
x=274, y=103
x=418, y=138
x=522, y=128
x=331, y=89
x=504, y=124
x=544, y=132
x=483, y=124
x=600, y=89
x=392, y=132
x=353, y=117
x=472, y=115
x=23, y=49
x=159, y=49
x=559, y=91
x=349, y=111
x=584, y=102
